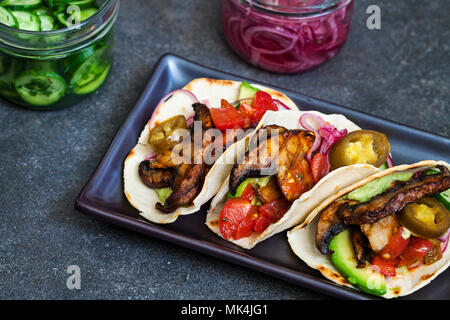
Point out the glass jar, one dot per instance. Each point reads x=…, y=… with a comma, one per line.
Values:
x=49, y=70
x=287, y=36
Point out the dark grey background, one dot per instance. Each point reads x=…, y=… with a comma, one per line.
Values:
x=400, y=72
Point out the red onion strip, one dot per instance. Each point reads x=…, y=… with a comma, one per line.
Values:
x=389, y=161
x=190, y=94
x=445, y=239
x=281, y=105
x=321, y=129
x=151, y=156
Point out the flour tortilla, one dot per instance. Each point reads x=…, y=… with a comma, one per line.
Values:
x=302, y=242
x=209, y=91
x=300, y=208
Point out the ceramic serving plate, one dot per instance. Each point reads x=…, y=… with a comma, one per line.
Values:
x=103, y=196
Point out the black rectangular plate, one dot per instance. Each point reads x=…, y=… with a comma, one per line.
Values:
x=103, y=196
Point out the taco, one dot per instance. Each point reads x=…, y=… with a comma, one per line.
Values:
x=386, y=235
x=162, y=187
x=292, y=162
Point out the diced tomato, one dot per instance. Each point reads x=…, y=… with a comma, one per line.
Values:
x=318, y=167
x=415, y=251
x=233, y=213
x=225, y=104
x=261, y=224
x=248, y=193
x=261, y=103
x=386, y=267
x=246, y=227
x=397, y=244
x=227, y=117
x=275, y=210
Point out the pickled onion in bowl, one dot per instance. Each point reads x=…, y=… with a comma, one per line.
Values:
x=287, y=36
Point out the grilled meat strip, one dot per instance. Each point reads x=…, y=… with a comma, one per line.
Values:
x=294, y=173
x=329, y=226
x=396, y=198
x=361, y=247
x=264, y=156
x=380, y=233
x=155, y=178
x=278, y=150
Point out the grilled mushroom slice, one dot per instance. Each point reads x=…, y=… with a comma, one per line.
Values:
x=361, y=246
x=202, y=114
x=396, y=198
x=329, y=226
x=186, y=185
x=155, y=178
x=257, y=162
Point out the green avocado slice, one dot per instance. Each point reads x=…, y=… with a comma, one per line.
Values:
x=366, y=279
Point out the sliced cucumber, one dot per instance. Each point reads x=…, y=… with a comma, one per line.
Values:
x=47, y=23
x=444, y=198
x=40, y=88
x=63, y=19
x=42, y=11
x=22, y=4
x=7, y=87
x=87, y=13
x=6, y=17
x=63, y=3
x=94, y=84
x=91, y=73
x=27, y=21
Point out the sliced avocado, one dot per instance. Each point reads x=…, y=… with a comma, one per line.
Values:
x=255, y=182
x=246, y=92
x=384, y=166
x=343, y=258
x=163, y=194
x=376, y=187
x=444, y=198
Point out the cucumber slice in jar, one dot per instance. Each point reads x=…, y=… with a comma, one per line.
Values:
x=27, y=21
x=91, y=73
x=94, y=84
x=22, y=4
x=7, y=18
x=87, y=13
x=40, y=88
x=7, y=88
x=47, y=23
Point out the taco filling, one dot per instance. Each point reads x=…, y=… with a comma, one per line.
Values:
x=178, y=184
x=387, y=227
x=281, y=165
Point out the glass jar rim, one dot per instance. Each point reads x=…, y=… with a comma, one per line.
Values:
x=18, y=39
x=295, y=10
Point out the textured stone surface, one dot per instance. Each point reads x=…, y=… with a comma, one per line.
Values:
x=400, y=72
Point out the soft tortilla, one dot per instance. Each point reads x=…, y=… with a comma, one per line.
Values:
x=209, y=91
x=326, y=187
x=301, y=240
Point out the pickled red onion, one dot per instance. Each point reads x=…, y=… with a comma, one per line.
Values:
x=325, y=134
x=151, y=156
x=389, y=161
x=281, y=105
x=167, y=96
x=190, y=120
x=445, y=239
